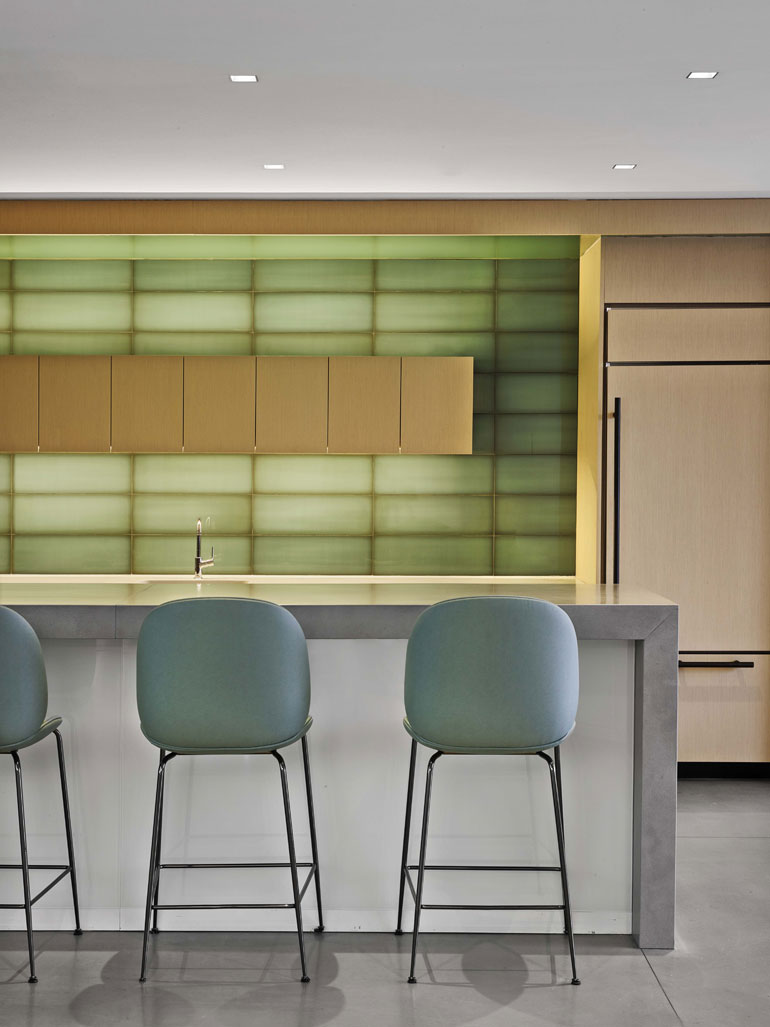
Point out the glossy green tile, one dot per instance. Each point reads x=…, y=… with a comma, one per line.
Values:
x=537, y=311
x=192, y=473
x=537, y=351
x=72, y=275
x=5, y=311
x=5, y=274
x=54, y=473
x=425, y=555
x=430, y=275
x=322, y=344
x=175, y=554
x=313, y=312
x=535, y=515
x=483, y=393
x=526, y=554
x=313, y=247
x=5, y=342
x=191, y=247
x=192, y=311
x=79, y=311
x=303, y=555
x=81, y=343
x=5, y=513
x=5, y=554
x=436, y=475
x=536, y=475
x=538, y=275
x=434, y=312
x=538, y=247
x=192, y=343
x=5, y=472
x=71, y=247
x=313, y=474
x=479, y=345
x=483, y=433
x=312, y=515
x=432, y=515
x=219, y=514
x=431, y=247
x=536, y=393
x=70, y=554
x=71, y=515
x=339, y=276
x=192, y=275
x=536, y=433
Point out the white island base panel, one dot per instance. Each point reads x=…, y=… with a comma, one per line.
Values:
x=228, y=809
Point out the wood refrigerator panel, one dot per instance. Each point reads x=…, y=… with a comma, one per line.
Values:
x=694, y=496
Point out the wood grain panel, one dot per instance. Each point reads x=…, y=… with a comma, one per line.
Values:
x=292, y=401
x=695, y=495
x=147, y=411
x=18, y=404
x=681, y=270
x=729, y=333
x=724, y=714
x=364, y=395
x=219, y=404
x=589, y=436
x=436, y=404
x=75, y=404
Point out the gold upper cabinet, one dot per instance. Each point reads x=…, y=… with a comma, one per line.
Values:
x=436, y=404
x=364, y=400
x=18, y=404
x=219, y=398
x=74, y=404
x=292, y=400
x=147, y=404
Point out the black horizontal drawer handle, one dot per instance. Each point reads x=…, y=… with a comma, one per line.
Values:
x=716, y=663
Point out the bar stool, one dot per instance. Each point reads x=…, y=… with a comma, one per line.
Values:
x=225, y=676
x=23, y=709
x=490, y=675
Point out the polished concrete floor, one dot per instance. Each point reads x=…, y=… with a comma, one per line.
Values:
x=719, y=975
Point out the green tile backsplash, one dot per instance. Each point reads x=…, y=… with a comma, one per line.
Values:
x=509, y=302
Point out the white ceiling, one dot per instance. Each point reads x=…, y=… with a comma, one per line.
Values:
x=395, y=98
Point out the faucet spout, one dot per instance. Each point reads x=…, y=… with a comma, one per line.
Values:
x=200, y=563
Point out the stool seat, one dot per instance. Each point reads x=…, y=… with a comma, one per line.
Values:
x=43, y=731
x=233, y=750
x=484, y=750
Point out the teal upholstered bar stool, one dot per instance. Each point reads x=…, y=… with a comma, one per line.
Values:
x=23, y=722
x=225, y=676
x=491, y=675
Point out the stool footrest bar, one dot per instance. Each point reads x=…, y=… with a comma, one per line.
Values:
x=446, y=906
x=225, y=866
x=34, y=866
x=457, y=867
x=227, y=905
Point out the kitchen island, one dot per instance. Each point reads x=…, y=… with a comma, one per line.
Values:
x=619, y=765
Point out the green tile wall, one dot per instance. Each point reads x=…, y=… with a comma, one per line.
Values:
x=509, y=302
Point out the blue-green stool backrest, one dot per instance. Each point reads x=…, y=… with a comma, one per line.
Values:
x=23, y=684
x=221, y=674
x=496, y=672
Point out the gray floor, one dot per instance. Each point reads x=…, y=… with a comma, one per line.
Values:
x=719, y=974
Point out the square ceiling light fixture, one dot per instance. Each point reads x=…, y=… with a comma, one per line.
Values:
x=702, y=74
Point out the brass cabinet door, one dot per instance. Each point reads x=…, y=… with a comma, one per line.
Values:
x=147, y=404
x=219, y=398
x=18, y=404
x=436, y=404
x=364, y=398
x=292, y=402
x=74, y=404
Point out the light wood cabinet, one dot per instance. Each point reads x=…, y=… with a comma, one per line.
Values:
x=436, y=404
x=74, y=404
x=663, y=334
x=18, y=404
x=147, y=404
x=219, y=403
x=292, y=404
x=364, y=398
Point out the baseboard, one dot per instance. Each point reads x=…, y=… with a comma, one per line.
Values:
x=724, y=770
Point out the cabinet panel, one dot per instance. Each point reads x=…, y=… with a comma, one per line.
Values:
x=659, y=334
x=292, y=401
x=18, y=404
x=687, y=270
x=219, y=404
x=436, y=404
x=74, y=404
x=147, y=404
x=724, y=712
x=364, y=396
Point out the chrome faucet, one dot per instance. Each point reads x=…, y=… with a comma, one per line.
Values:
x=199, y=564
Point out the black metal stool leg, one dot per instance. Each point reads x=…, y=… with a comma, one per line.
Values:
x=313, y=840
x=68, y=830
x=557, y=759
x=153, y=861
x=292, y=861
x=421, y=870
x=407, y=828
x=154, y=928
x=25, y=867
x=559, y=818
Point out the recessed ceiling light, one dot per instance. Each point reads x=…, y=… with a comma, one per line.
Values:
x=274, y=167
x=244, y=78
x=702, y=74
x=623, y=167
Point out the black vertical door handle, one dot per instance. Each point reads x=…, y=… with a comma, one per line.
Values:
x=616, y=500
